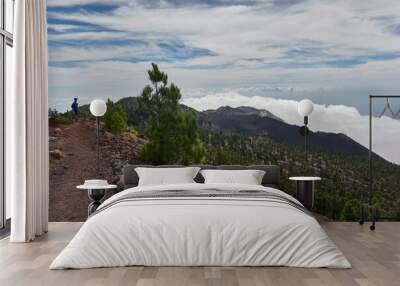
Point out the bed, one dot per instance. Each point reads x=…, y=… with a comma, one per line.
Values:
x=201, y=224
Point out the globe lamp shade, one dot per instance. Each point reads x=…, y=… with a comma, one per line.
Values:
x=98, y=107
x=305, y=107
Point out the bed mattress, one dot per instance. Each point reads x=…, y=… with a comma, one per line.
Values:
x=201, y=225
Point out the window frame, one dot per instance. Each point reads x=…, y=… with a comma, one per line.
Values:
x=6, y=39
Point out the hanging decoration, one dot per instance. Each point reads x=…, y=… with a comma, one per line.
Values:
x=388, y=107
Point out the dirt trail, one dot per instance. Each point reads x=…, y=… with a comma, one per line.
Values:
x=77, y=145
x=73, y=159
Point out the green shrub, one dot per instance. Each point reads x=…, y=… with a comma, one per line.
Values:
x=115, y=119
x=56, y=117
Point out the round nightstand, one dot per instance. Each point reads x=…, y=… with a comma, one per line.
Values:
x=305, y=190
x=96, y=194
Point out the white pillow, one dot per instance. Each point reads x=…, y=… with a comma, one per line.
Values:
x=248, y=177
x=166, y=176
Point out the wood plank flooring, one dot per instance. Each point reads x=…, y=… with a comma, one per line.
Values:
x=375, y=257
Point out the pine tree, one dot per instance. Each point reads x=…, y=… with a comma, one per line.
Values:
x=172, y=131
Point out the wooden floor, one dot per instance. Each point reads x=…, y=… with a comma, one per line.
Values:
x=375, y=257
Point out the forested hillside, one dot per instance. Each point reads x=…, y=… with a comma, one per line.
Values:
x=246, y=135
x=345, y=177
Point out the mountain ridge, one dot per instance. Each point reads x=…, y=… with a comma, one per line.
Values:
x=226, y=121
x=252, y=121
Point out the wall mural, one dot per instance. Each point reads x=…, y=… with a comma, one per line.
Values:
x=218, y=82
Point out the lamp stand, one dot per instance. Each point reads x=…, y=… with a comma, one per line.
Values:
x=97, y=144
x=306, y=142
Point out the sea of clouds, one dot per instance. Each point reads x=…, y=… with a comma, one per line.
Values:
x=328, y=118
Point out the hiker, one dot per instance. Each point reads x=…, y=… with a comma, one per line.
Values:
x=75, y=108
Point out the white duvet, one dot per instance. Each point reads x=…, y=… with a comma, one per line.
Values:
x=193, y=231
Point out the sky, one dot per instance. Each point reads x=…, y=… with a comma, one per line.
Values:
x=268, y=54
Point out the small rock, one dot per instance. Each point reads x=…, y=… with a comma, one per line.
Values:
x=57, y=131
x=56, y=154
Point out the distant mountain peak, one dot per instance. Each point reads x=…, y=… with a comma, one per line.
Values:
x=245, y=110
x=253, y=121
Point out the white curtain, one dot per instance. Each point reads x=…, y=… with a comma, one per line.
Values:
x=27, y=124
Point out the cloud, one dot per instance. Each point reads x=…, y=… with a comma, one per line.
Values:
x=66, y=3
x=334, y=52
x=95, y=80
x=229, y=44
x=256, y=33
x=85, y=8
x=328, y=118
